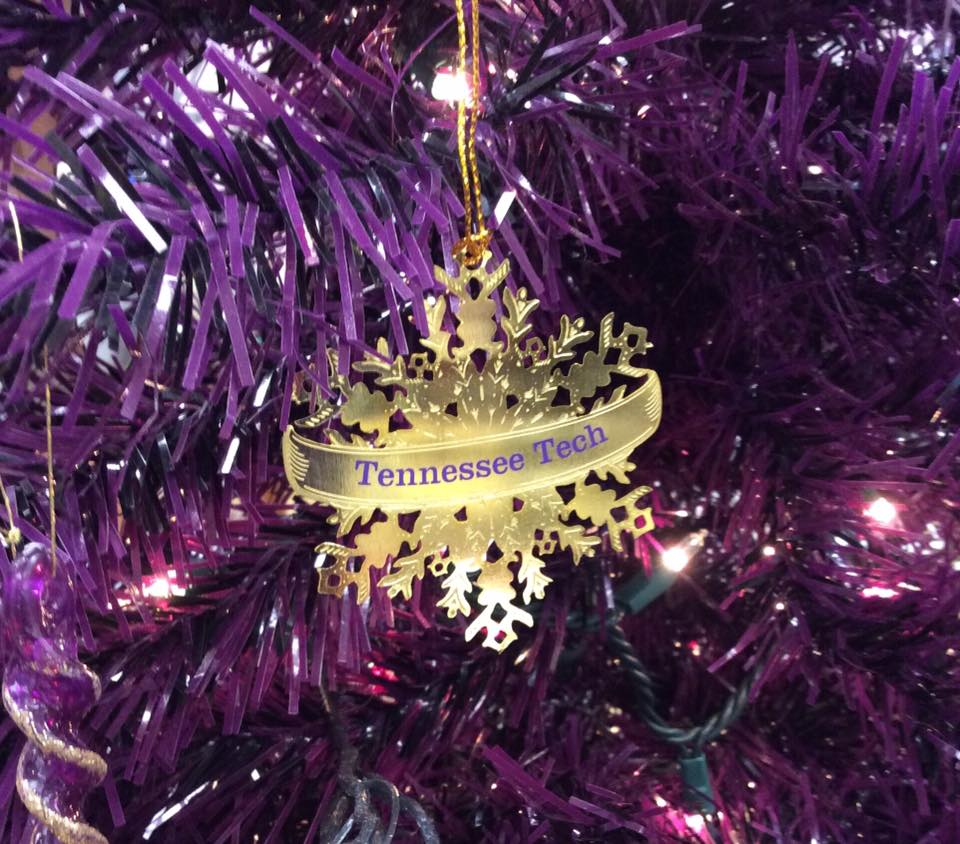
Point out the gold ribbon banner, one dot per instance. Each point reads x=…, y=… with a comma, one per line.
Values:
x=408, y=478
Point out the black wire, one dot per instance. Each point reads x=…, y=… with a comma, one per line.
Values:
x=692, y=739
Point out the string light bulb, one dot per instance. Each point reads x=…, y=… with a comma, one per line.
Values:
x=677, y=557
x=882, y=511
x=450, y=85
x=162, y=587
x=156, y=586
x=879, y=592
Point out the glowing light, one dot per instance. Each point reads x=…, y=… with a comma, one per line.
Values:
x=769, y=551
x=675, y=558
x=882, y=511
x=157, y=586
x=695, y=823
x=879, y=592
x=160, y=587
x=450, y=85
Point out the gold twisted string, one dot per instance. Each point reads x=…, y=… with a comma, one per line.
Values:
x=13, y=532
x=470, y=248
x=13, y=535
x=51, y=482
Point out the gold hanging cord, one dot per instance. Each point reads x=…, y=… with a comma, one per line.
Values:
x=12, y=532
x=13, y=535
x=51, y=483
x=470, y=248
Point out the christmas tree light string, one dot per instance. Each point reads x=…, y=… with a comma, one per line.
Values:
x=632, y=596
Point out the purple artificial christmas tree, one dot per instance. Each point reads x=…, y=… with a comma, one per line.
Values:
x=199, y=200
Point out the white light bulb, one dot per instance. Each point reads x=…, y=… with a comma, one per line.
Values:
x=675, y=558
x=879, y=592
x=450, y=85
x=882, y=511
x=158, y=587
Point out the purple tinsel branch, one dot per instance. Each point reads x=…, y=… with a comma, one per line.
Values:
x=209, y=197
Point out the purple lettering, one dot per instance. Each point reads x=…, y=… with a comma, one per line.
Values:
x=543, y=446
x=594, y=433
x=367, y=466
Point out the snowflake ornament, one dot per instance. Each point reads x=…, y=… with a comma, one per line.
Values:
x=479, y=457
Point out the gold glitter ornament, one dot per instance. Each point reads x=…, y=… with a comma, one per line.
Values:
x=47, y=690
x=455, y=464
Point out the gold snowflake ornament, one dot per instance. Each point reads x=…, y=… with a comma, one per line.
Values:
x=479, y=457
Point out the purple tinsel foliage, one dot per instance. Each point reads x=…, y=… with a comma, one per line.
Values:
x=209, y=196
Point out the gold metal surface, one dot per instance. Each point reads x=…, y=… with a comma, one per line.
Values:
x=415, y=475
x=449, y=461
